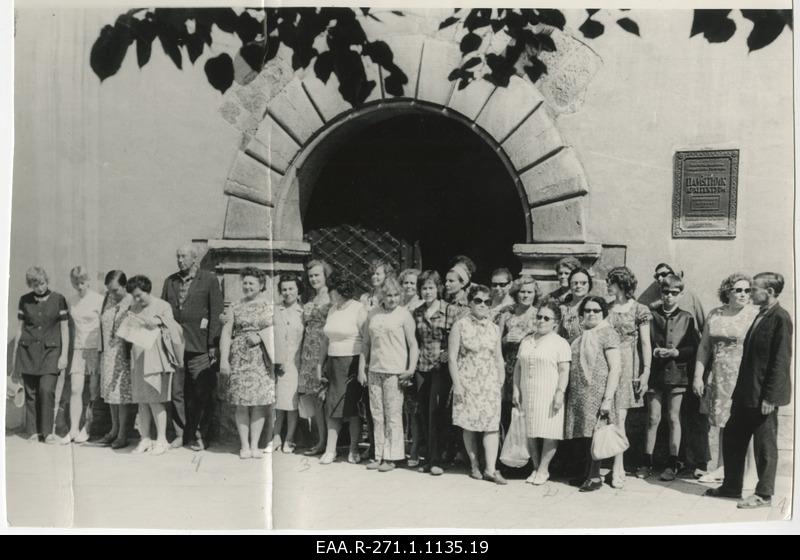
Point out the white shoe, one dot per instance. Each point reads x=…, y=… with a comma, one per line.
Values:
x=717, y=475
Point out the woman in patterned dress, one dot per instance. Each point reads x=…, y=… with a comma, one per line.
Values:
x=312, y=353
x=631, y=319
x=541, y=374
x=246, y=362
x=115, y=360
x=516, y=322
x=478, y=373
x=288, y=339
x=593, y=377
x=721, y=347
x=580, y=285
x=412, y=416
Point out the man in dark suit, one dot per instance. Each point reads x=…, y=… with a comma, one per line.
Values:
x=763, y=385
x=196, y=301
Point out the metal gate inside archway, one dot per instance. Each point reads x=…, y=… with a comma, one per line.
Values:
x=415, y=189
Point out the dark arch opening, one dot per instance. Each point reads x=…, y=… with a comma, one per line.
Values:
x=427, y=180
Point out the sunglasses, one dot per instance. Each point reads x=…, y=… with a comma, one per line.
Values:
x=592, y=310
x=544, y=318
x=500, y=284
x=481, y=301
x=671, y=292
x=741, y=290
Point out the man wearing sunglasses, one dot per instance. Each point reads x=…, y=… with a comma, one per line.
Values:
x=688, y=301
x=764, y=384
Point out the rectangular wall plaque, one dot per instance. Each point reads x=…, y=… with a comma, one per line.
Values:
x=704, y=195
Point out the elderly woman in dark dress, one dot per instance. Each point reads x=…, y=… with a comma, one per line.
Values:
x=564, y=268
x=593, y=379
x=41, y=350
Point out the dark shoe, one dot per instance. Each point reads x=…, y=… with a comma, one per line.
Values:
x=644, y=472
x=754, y=501
x=495, y=477
x=590, y=485
x=119, y=443
x=723, y=492
x=668, y=475
x=576, y=482
x=316, y=450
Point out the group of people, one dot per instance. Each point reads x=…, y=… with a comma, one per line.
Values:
x=420, y=357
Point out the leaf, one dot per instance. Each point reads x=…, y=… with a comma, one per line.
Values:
x=536, y=69
x=464, y=83
x=379, y=52
x=477, y=18
x=592, y=11
x=248, y=27
x=169, y=42
x=501, y=70
x=591, y=29
x=219, y=71
x=224, y=18
x=145, y=34
x=302, y=56
x=497, y=25
x=394, y=82
x=554, y=18
x=323, y=66
x=448, y=22
x=109, y=50
x=715, y=25
x=474, y=61
x=470, y=42
x=194, y=46
x=546, y=42
x=353, y=85
x=767, y=26
x=254, y=54
x=629, y=25
x=530, y=16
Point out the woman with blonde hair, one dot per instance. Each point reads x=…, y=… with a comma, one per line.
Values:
x=85, y=309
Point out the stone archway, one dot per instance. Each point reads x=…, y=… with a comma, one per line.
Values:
x=266, y=185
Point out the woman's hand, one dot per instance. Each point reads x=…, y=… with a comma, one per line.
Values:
x=699, y=387
x=515, y=397
x=362, y=377
x=224, y=368
x=644, y=384
x=558, y=400
x=605, y=406
x=63, y=361
x=406, y=376
x=253, y=339
x=279, y=371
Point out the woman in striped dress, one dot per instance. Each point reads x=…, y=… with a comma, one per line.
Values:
x=541, y=375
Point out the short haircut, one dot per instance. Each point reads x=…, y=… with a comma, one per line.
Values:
x=672, y=281
x=391, y=283
x=476, y=289
x=388, y=267
x=78, y=274
x=430, y=276
x=35, y=275
x=596, y=299
x=289, y=277
x=521, y=281
x=553, y=306
x=139, y=281
x=408, y=272
x=581, y=270
x=570, y=263
x=664, y=265
x=771, y=280
x=327, y=269
x=342, y=284
x=727, y=285
x=503, y=270
x=623, y=277
x=253, y=272
x=117, y=275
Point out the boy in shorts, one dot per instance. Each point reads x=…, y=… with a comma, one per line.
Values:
x=674, y=341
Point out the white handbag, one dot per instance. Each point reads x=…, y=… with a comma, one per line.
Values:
x=608, y=440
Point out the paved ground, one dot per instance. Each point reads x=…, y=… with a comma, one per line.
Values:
x=83, y=486
x=343, y=496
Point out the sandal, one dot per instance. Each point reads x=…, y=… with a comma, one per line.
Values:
x=245, y=453
x=327, y=458
x=107, y=439
x=288, y=447
x=353, y=458
x=119, y=443
x=476, y=474
x=412, y=463
x=257, y=454
x=618, y=481
x=159, y=448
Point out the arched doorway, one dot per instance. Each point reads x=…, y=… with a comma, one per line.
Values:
x=416, y=188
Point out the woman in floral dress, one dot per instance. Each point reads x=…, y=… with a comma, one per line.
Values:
x=312, y=353
x=632, y=322
x=593, y=378
x=515, y=323
x=580, y=284
x=478, y=373
x=721, y=347
x=246, y=362
x=115, y=361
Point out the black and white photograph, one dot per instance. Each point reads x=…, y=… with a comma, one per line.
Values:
x=400, y=267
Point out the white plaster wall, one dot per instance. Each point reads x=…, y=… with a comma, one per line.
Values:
x=665, y=92
x=111, y=175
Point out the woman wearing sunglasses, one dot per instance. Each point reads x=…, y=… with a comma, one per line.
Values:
x=593, y=378
x=541, y=374
x=721, y=348
x=478, y=372
x=580, y=285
